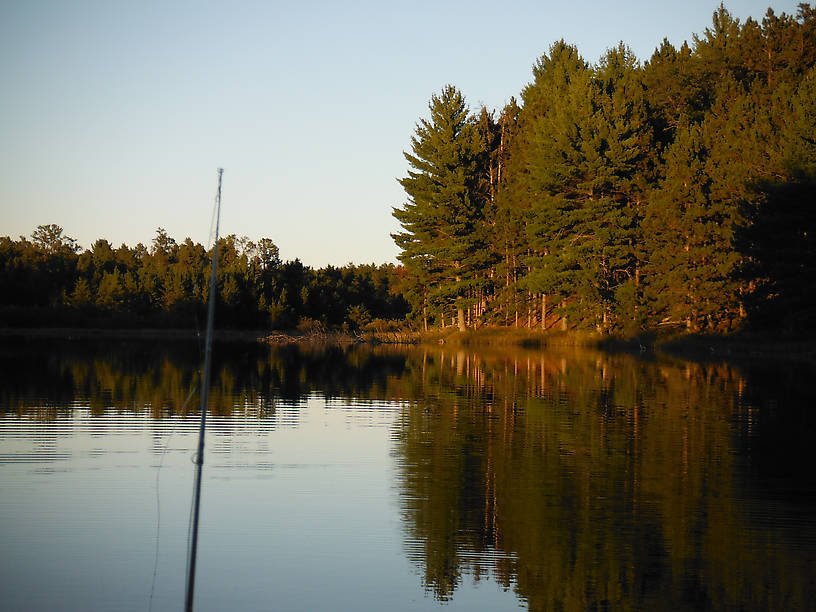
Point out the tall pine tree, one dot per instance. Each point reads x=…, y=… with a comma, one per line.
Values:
x=442, y=242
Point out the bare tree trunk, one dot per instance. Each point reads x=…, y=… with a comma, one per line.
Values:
x=515, y=295
x=529, y=313
x=544, y=311
x=460, y=311
x=492, y=193
x=501, y=153
x=507, y=284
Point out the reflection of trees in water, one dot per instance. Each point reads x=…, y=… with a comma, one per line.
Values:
x=129, y=376
x=591, y=482
x=583, y=481
x=46, y=378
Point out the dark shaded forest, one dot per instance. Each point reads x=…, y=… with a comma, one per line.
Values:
x=623, y=196
x=45, y=281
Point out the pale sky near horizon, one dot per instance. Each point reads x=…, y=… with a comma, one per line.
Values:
x=114, y=116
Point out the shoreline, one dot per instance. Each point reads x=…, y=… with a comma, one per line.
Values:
x=696, y=347
x=83, y=333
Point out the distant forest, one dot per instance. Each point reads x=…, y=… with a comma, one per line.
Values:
x=623, y=196
x=44, y=281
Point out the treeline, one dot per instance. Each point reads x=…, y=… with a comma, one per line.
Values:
x=47, y=281
x=625, y=196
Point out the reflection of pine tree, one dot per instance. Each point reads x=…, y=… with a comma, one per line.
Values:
x=585, y=483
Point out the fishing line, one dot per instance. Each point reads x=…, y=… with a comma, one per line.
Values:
x=158, y=503
x=161, y=464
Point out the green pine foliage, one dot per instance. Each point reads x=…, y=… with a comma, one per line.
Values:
x=442, y=241
x=627, y=196
x=778, y=237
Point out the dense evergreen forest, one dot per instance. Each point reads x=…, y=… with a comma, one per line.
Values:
x=45, y=281
x=624, y=196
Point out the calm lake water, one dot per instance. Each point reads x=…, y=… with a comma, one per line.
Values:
x=387, y=479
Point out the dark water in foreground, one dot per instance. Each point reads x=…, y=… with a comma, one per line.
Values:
x=353, y=479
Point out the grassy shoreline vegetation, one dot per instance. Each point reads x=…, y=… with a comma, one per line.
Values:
x=714, y=348
x=667, y=202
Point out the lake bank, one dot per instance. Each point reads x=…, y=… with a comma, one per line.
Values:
x=696, y=347
x=81, y=333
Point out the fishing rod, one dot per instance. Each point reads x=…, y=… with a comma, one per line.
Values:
x=205, y=387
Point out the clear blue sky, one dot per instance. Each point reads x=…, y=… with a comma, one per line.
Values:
x=115, y=115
